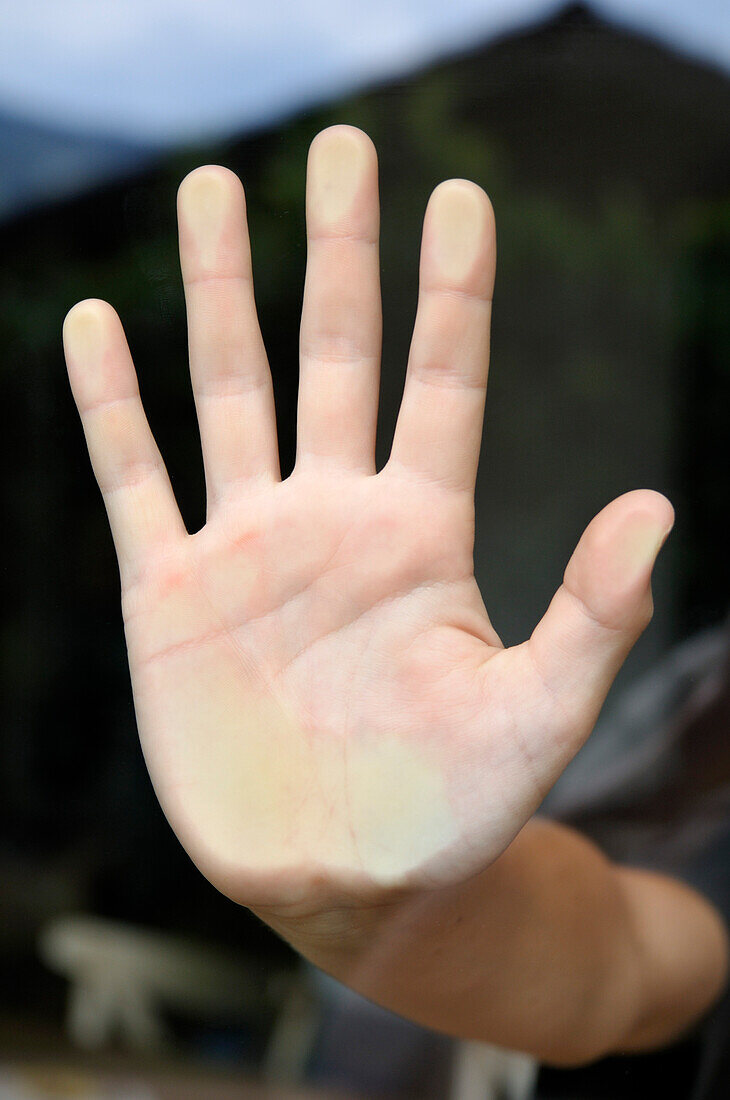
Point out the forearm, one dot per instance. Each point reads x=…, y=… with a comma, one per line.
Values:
x=552, y=950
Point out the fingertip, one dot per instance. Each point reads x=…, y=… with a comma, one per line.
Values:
x=84, y=328
x=611, y=568
x=464, y=191
x=210, y=177
x=460, y=183
x=652, y=503
x=342, y=184
x=207, y=199
x=460, y=238
x=344, y=135
x=85, y=312
x=211, y=212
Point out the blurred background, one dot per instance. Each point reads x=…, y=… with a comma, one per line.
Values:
x=601, y=135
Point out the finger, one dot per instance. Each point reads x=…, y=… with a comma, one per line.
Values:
x=124, y=456
x=600, y=610
x=439, y=429
x=340, y=334
x=230, y=372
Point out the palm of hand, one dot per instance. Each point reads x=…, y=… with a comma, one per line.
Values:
x=324, y=707
x=323, y=716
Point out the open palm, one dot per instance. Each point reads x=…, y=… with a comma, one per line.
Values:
x=325, y=709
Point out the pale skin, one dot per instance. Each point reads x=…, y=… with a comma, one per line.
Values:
x=333, y=728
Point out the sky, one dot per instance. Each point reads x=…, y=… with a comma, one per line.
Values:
x=92, y=87
x=164, y=71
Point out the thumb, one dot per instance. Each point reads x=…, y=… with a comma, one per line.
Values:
x=602, y=607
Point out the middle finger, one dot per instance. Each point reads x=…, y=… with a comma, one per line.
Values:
x=341, y=327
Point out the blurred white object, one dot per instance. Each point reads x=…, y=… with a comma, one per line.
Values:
x=295, y=1031
x=123, y=978
x=483, y=1072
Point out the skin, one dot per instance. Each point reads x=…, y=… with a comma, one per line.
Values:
x=330, y=721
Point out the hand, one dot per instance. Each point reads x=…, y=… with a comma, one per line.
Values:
x=326, y=712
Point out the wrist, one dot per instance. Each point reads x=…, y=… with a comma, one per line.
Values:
x=345, y=942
